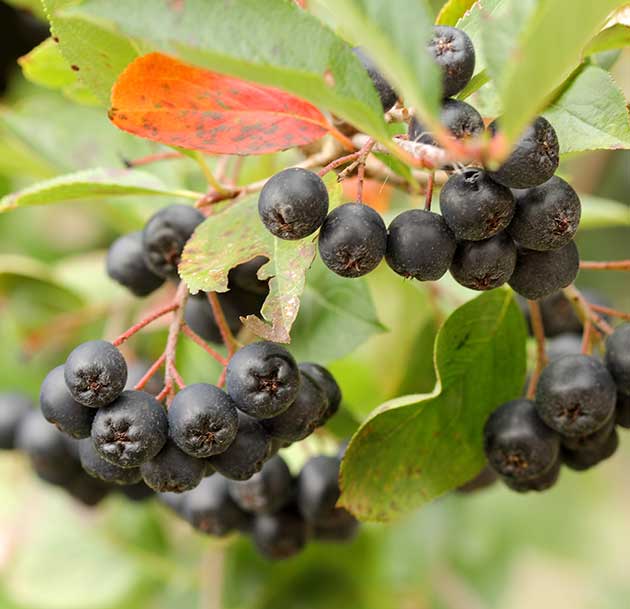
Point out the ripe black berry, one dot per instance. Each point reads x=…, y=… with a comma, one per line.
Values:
x=126, y=265
x=318, y=488
x=303, y=416
x=575, y=395
x=618, y=357
x=13, y=408
x=97, y=467
x=547, y=216
x=538, y=274
x=280, y=535
x=200, y=318
x=534, y=159
x=420, y=245
x=165, y=235
x=454, y=53
x=581, y=460
x=474, y=206
x=563, y=344
x=131, y=430
x=60, y=408
x=293, y=203
x=591, y=441
x=266, y=491
x=484, y=479
x=460, y=119
x=517, y=443
x=540, y=483
x=172, y=470
x=623, y=410
x=326, y=381
x=137, y=492
x=263, y=379
x=245, y=276
x=386, y=94
x=247, y=453
x=202, y=420
x=352, y=240
x=87, y=490
x=95, y=373
x=340, y=526
x=484, y=265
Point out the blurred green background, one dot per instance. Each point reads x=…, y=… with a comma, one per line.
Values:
x=567, y=548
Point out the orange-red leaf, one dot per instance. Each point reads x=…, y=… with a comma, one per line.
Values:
x=162, y=99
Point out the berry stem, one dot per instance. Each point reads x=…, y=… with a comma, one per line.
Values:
x=177, y=376
x=167, y=389
x=612, y=265
x=587, y=335
x=224, y=328
x=585, y=310
x=144, y=323
x=141, y=384
x=341, y=138
x=152, y=158
x=609, y=311
x=181, y=296
x=429, y=194
x=207, y=172
x=190, y=333
x=541, y=354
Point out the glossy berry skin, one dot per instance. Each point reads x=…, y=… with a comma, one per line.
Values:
x=352, y=240
x=202, y=420
x=318, y=488
x=263, y=379
x=454, y=53
x=131, y=430
x=484, y=265
x=165, y=235
x=460, y=119
x=386, y=94
x=576, y=395
x=266, y=491
x=293, y=203
x=97, y=467
x=172, y=470
x=581, y=460
x=61, y=409
x=474, y=206
x=125, y=264
x=538, y=274
x=420, y=245
x=325, y=381
x=245, y=276
x=540, y=483
x=593, y=441
x=95, y=373
x=281, y=535
x=303, y=416
x=623, y=411
x=547, y=216
x=618, y=357
x=13, y=408
x=518, y=445
x=563, y=344
x=534, y=159
x=209, y=508
x=248, y=452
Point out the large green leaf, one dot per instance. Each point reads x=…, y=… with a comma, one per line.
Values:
x=453, y=11
x=90, y=184
x=591, y=113
x=602, y=213
x=396, y=39
x=293, y=51
x=417, y=447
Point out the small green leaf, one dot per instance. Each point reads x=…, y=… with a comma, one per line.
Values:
x=610, y=39
x=91, y=184
x=453, y=11
x=602, y=213
x=416, y=447
x=473, y=23
x=591, y=113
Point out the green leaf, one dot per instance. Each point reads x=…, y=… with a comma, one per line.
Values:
x=473, y=23
x=591, y=113
x=453, y=11
x=324, y=71
x=396, y=40
x=416, y=447
x=603, y=213
x=90, y=184
x=549, y=49
x=610, y=39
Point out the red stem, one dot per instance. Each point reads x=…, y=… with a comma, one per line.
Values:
x=190, y=333
x=587, y=311
x=143, y=323
x=141, y=384
x=176, y=376
x=181, y=296
x=166, y=391
x=152, y=158
x=612, y=265
x=224, y=328
x=429, y=194
x=541, y=355
x=586, y=335
x=342, y=160
x=609, y=311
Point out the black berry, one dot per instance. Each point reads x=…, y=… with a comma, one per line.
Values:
x=280, y=535
x=352, y=240
x=338, y=526
x=326, y=381
x=87, y=490
x=137, y=492
x=200, y=318
x=13, y=408
x=575, y=395
x=484, y=265
x=60, y=408
x=97, y=467
x=618, y=357
x=540, y=483
x=460, y=119
x=581, y=460
x=172, y=470
x=623, y=410
x=263, y=379
x=386, y=94
x=202, y=420
x=453, y=51
x=534, y=159
x=474, y=206
x=538, y=274
x=563, y=344
x=517, y=443
x=318, y=488
x=95, y=373
x=126, y=265
x=131, y=430
x=165, y=235
x=484, y=479
x=591, y=441
x=245, y=276
x=420, y=245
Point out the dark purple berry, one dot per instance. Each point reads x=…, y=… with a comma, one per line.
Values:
x=13, y=408
x=245, y=276
x=318, y=488
x=172, y=470
x=281, y=535
x=540, y=483
x=581, y=460
x=326, y=381
x=386, y=94
x=460, y=119
x=97, y=467
x=618, y=357
x=454, y=53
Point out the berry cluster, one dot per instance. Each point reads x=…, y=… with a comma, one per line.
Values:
x=579, y=402
x=279, y=511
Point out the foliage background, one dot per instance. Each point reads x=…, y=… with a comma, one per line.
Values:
x=564, y=549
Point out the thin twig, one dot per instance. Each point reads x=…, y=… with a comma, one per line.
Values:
x=611, y=265
x=207, y=172
x=176, y=376
x=144, y=323
x=609, y=311
x=141, y=384
x=429, y=193
x=224, y=328
x=541, y=355
x=152, y=158
x=587, y=334
x=181, y=296
x=190, y=333
x=585, y=310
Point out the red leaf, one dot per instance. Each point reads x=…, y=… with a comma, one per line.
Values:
x=162, y=99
